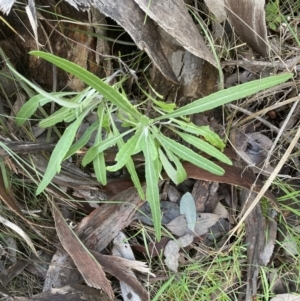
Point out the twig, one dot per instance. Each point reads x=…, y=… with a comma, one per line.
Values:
x=265, y=110
x=289, y=64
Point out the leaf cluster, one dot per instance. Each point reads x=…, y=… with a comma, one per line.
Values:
x=160, y=151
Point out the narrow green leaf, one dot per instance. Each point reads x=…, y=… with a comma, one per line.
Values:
x=93, y=81
x=59, y=153
x=167, y=107
x=56, y=117
x=70, y=116
x=50, y=96
x=101, y=147
x=100, y=168
x=204, y=131
x=177, y=174
x=83, y=139
x=204, y=146
x=225, y=96
x=99, y=161
x=126, y=151
x=168, y=167
x=135, y=178
x=181, y=172
x=152, y=191
x=130, y=167
x=187, y=154
x=28, y=109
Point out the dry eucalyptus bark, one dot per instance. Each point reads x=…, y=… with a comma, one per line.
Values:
x=261, y=231
x=205, y=195
x=248, y=19
x=69, y=41
x=132, y=19
x=72, y=292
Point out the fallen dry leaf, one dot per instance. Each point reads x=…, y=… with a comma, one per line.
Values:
x=178, y=24
x=153, y=249
x=248, y=19
x=120, y=267
x=172, y=249
x=93, y=232
x=233, y=176
x=122, y=248
x=179, y=226
x=13, y=271
x=87, y=265
x=5, y=6
x=115, y=216
x=286, y=297
x=221, y=211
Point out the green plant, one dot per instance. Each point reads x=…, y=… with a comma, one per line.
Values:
x=273, y=16
x=159, y=150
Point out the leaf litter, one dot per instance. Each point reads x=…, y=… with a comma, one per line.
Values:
x=176, y=50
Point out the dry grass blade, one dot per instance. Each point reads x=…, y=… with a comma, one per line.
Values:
x=9, y=200
x=87, y=265
x=20, y=232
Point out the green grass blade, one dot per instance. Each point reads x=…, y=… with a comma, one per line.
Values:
x=187, y=154
x=92, y=80
x=152, y=191
x=59, y=153
x=163, y=288
x=225, y=96
x=204, y=146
